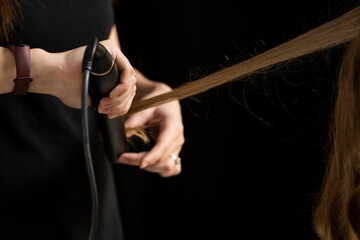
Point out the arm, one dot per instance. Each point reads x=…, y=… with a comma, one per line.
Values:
x=38, y=58
x=166, y=118
x=60, y=75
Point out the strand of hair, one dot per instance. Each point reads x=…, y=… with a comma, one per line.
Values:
x=334, y=33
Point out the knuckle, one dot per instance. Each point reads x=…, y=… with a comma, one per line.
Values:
x=177, y=171
x=162, y=150
x=127, y=85
x=179, y=126
x=174, y=172
x=121, y=110
x=129, y=68
x=168, y=166
x=109, y=45
x=164, y=175
x=182, y=140
x=127, y=107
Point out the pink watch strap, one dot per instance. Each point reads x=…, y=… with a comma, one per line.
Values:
x=22, y=59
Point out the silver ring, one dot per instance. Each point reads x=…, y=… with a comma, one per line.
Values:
x=134, y=73
x=176, y=159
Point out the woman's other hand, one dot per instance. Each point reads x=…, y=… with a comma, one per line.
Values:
x=169, y=138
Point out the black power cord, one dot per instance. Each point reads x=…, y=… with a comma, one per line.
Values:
x=86, y=68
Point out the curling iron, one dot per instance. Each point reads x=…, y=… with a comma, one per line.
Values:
x=100, y=76
x=104, y=77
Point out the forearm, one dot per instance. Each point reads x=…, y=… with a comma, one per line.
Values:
x=60, y=75
x=43, y=65
x=147, y=88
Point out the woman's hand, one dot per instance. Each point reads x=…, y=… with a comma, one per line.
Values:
x=167, y=119
x=67, y=80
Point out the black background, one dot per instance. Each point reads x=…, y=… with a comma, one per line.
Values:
x=255, y=151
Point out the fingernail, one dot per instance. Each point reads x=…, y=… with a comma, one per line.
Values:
x=104, y=110
x=106, y=105
x=123, y=160
x=144, y=165
x=111, y=116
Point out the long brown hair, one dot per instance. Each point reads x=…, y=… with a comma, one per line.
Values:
x=9, y=13
x=338, y=212
x=334, y=33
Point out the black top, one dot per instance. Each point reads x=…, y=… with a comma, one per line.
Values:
x=44, y=188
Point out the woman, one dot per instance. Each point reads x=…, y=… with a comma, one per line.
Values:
x=44, y=188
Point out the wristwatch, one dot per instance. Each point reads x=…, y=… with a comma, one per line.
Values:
x=22, y=59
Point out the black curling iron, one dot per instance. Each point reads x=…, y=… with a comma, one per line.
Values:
x=101, y=73
x=104, y=77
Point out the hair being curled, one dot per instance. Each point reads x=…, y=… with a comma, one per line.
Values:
x=334, y=33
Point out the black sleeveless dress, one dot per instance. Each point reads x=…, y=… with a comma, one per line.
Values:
x=44, y=188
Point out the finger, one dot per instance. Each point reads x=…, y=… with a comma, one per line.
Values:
x=159, y=150
x=126, y=82
x=166, y=141
x=173, y=172
x=116, y=109
x=121, y=61
x=122, y=108
x=133, y=159
x=119, y=106
x=108, y=105
x=168, y=166
x=119, y=94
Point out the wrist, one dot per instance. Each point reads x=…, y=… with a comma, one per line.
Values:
x=45, y=70
x=59, y=74
x=160, y=88
x=21, y=54
x=148, y=88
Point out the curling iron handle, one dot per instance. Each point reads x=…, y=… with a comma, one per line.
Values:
x=104, y=78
